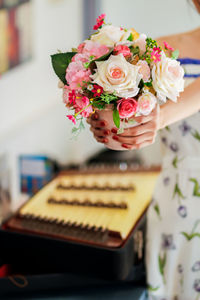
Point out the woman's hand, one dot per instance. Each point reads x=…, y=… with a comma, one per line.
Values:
x=143, y=134
x=132, y=138
x=98, y=127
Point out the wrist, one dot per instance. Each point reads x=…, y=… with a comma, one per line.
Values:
x=162, y=118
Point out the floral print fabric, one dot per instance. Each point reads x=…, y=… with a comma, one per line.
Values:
x=173, y=230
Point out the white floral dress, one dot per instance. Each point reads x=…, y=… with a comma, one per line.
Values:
x=173, y=231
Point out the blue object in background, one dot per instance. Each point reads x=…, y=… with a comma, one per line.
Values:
x=35, y=172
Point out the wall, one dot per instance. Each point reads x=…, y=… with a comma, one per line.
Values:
x=32, y=115
x=153, y=17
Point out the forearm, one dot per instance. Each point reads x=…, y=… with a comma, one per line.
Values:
x=187, y=105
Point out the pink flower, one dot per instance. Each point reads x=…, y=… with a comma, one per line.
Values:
x=127, y=107
x=95, y=49
x=98, y=25
x=167, y=46
x=72, y=97
x=99, y=22
x=144, y=70
x=83, y=105
x=71, y=118
x=146, y=103
x=97, y=90
x=80, y=57
x=122, y=49
x=77, y=75
x=80, y=47
x=155, y=54
x=101, y=17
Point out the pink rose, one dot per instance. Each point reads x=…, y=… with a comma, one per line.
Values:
x=83, y=103
x=80, y=57
x=144, y=70
x=76, y=75
x=127, y=107
x=91, y=48
x=146, y=103
x=122, y=49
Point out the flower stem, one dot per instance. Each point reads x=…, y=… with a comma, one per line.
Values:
x=82, y=110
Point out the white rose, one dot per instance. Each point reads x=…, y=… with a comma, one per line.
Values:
x=124, y=39
x=141, y=42
x=117, y=75
x=108, y=35
x=167, y=76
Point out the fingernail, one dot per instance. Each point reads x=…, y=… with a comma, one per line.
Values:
x=115, y=138
x=102, y=123
x=106, y=132
x=125, y=146
x=95, y=116
x=114, y=130
x=105, y=141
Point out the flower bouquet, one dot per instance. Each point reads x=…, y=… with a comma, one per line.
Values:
x=119, y=73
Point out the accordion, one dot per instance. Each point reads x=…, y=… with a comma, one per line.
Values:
x=88, y=221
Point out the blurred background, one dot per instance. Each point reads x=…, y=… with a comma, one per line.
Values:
x=35, y=136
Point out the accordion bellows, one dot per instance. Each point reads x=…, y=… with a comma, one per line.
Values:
x=95, y=208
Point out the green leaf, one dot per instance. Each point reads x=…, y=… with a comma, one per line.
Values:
x=168, y=128
x=196, y=190
x=135, y=50
x=177, y=191
x=196, y=135
x=104, y=56
x=189, y=237
x=175, y=54
x=107, y=98
x=186, y=235
x=86, y=64
x=75, y=129
x=149, y=83
x=157, y=210
x=162, y=263
x=99, y=105
x=175, y=161
x=60, y=62
x=116, y=118
x=153, y=289
x=130, y=38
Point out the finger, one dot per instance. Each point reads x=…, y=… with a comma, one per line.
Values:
x=95, y=116
x=98, y=124
x=134, y=140
x=146, y=143
x=140, y=129
x=101, y=140
x=143, y=119
x=129, y=147
x=100, y=132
